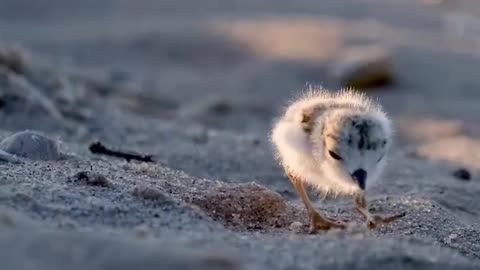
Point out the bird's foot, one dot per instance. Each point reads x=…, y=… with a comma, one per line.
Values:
x=319, y=222
x=376, y=220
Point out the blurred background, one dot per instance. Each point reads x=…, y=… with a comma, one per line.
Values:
x=182, y=53
x=256, y=54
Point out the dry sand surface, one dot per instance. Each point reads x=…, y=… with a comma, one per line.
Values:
x=196, y=85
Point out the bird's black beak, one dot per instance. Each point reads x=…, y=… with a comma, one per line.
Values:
x=360, y=176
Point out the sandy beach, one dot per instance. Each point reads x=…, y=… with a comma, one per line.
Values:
x=192, y=89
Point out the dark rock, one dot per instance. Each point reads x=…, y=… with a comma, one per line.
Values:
x=462, y=174
x=32, y=145
x=363, y=68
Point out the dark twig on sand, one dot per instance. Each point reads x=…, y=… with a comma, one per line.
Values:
x=99, y=148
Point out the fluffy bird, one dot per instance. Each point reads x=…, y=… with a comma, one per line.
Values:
x=336, y=143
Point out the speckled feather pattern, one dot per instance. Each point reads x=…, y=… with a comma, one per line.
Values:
x=352, y=119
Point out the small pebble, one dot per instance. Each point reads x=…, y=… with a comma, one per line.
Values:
x=462, y=174
x=32, y=145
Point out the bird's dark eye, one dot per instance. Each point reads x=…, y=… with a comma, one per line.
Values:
x=334, y=155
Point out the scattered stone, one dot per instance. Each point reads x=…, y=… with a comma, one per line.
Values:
x=91, y=179
x=462, y=174
x=149, y=193
x=364, y=67
x=31, y=145
x=248, y=206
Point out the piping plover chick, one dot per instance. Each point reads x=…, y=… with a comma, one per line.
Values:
x=336, y=143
